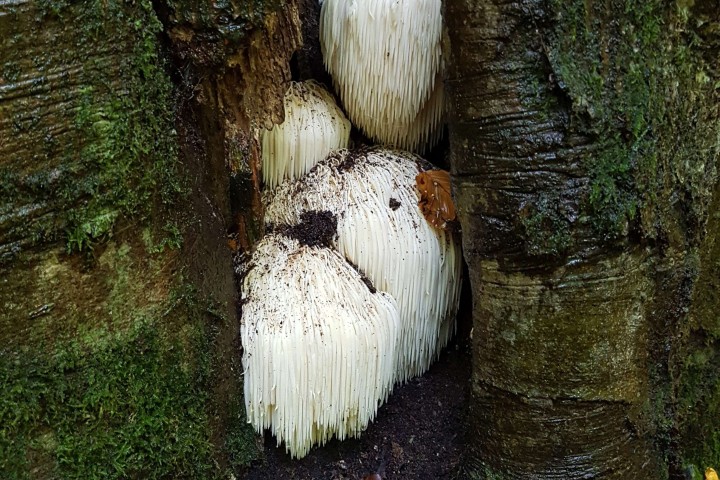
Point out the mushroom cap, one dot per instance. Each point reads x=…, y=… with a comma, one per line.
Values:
x=386, y=62
x=318, y=345
x=382, y=230
x=314, y=126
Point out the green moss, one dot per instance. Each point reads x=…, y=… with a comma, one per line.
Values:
x=125, y=404
x=108, y=366
x=611, y=202
x=129, y=162
x=241, y=441
x=100, y=148
x=170, y=238
x=632, y=73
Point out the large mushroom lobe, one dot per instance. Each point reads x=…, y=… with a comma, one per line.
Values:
x=386, y=63
x=318, y=344
x=382, y=230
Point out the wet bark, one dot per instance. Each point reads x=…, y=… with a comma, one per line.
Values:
x=127, y=157
x=570, y=155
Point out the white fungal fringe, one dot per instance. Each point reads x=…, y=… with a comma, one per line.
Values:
x=382, y=230
x=314, y=126
x=385, y=60
x=318, y=346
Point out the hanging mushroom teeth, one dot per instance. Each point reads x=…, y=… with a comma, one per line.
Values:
x=385, y=60
x=314, y=126
x=317, y=344
x=436, y=201
x=382, y=230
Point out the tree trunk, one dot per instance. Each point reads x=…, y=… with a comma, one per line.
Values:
x=119, y=351
x=584, y=138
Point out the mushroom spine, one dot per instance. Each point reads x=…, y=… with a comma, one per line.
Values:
x=382, y=230
x=318, y=344
x=314, y=126
x=386, y=63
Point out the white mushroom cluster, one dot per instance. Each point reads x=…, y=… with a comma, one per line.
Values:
x=382, y=230
x=318, y=344
x=386, y=62
x=314, y=126
x=353, y=290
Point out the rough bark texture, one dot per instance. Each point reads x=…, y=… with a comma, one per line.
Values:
x=118, y=320
x=232, y=85
x=584, y=143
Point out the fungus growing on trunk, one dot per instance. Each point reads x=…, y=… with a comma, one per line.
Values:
x=314, y=126
x=382, y=230
x=385, y=60
x=318, y=346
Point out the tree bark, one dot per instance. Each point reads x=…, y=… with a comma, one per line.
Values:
x=584, y=143
x=119, y=351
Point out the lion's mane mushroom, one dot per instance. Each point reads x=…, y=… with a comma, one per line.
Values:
x=314, y=126
x=318, y=343
x=385, y=60
x=382, y=230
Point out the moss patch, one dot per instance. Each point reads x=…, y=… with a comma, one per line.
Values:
x=635, y=77
x=106, y=366
x=128, y=403
x=644, y=88
x=92, y=126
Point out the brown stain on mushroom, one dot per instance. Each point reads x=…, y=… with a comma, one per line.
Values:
x=436, y=202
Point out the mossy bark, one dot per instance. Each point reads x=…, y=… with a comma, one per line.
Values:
x=584, y=145
x=118, y=315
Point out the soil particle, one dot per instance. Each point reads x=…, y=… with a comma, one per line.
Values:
x=363, y=277
x=349, y=160
x=394, y=203
x=417, y=434
x=317, y=228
